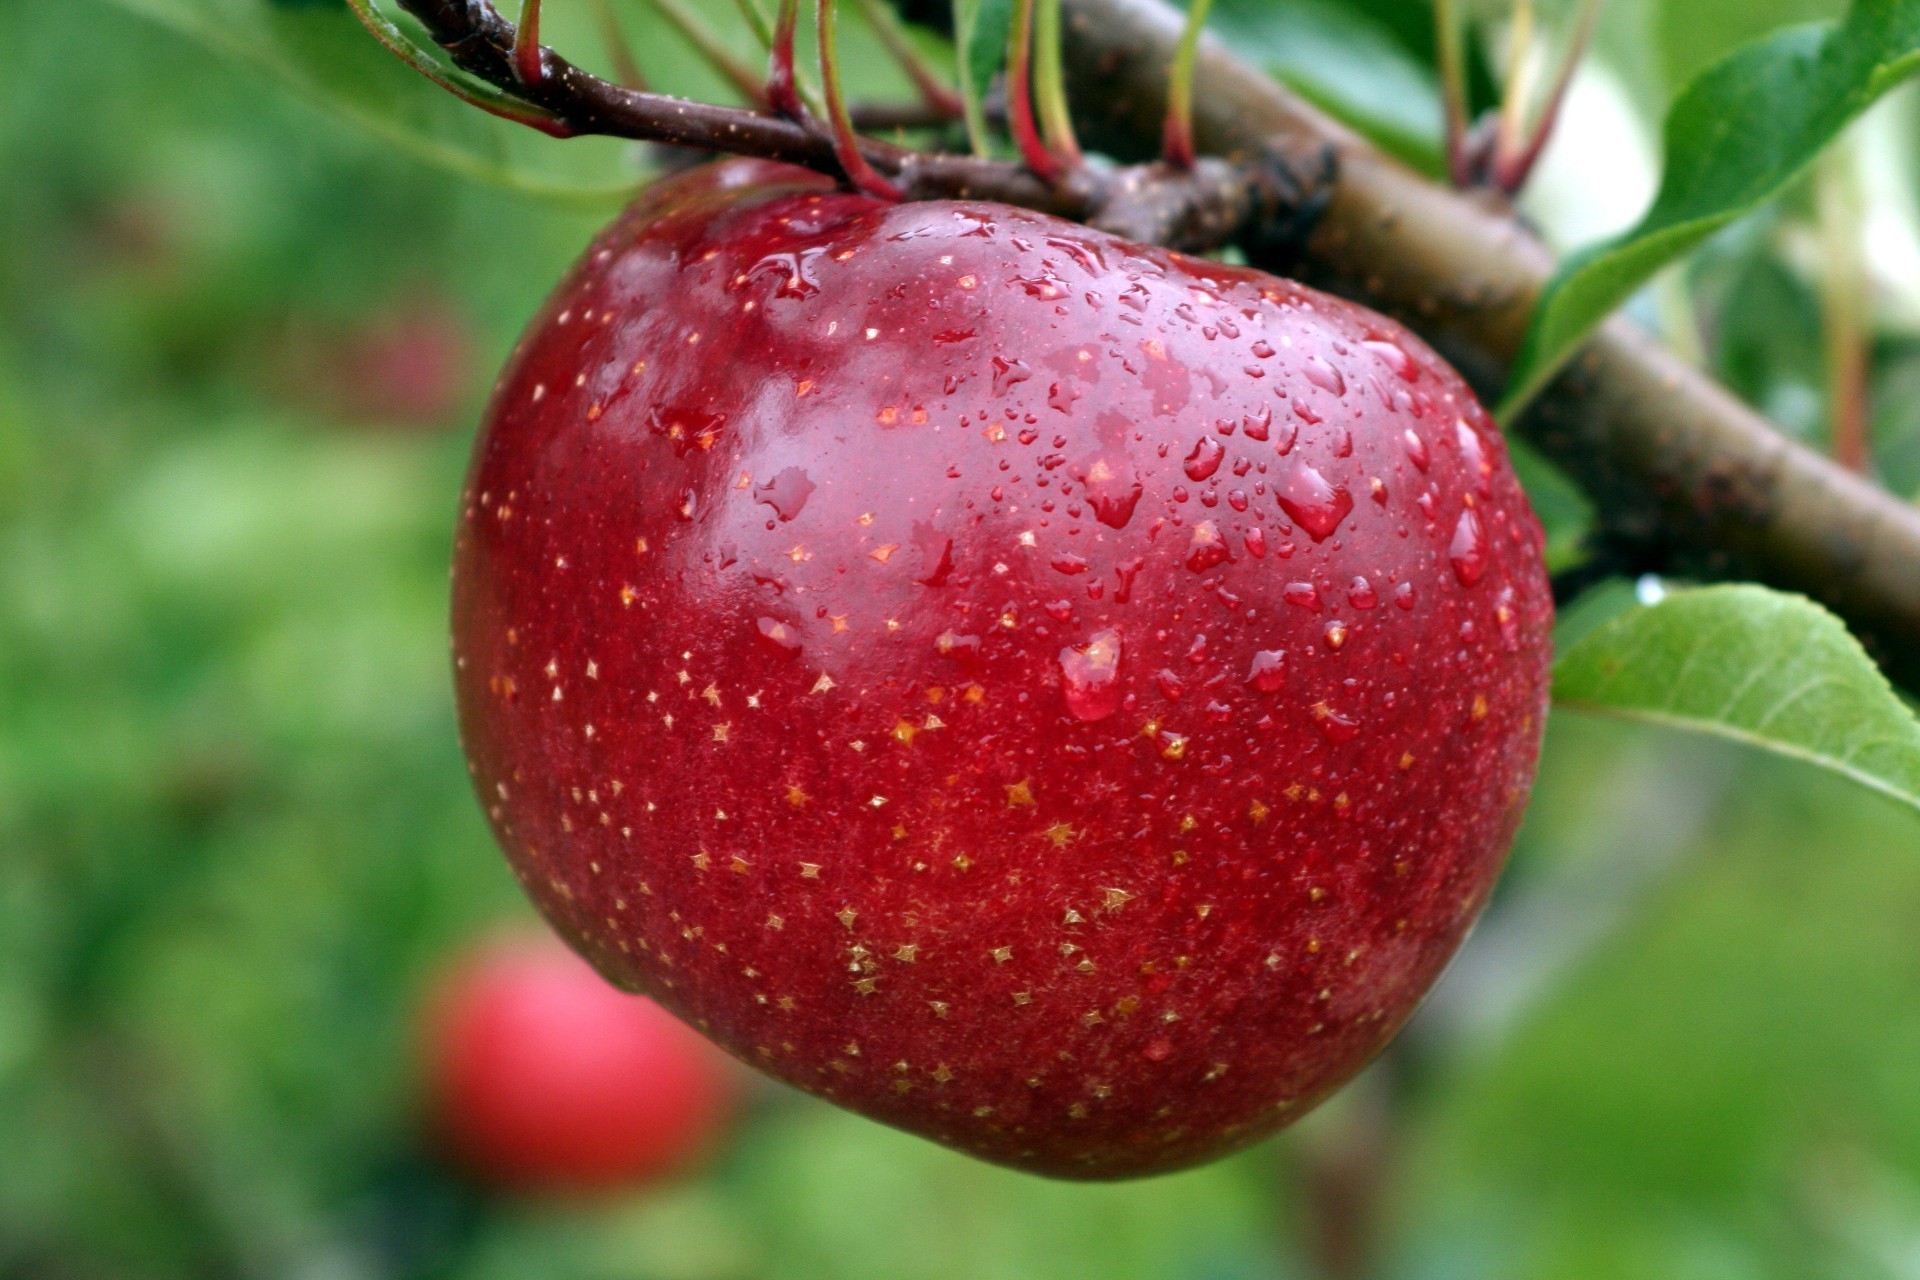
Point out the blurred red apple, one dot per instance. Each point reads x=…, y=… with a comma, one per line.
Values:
x=545, y=1078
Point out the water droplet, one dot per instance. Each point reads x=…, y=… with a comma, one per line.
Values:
x=778, y=637
x=1262, y=349
x=1061, y=396
x=1268, y=672
x=1336, y=634
x=1416, y=448
x=1403, y=596
x=786, y=493
x=1126, y=571
x=1205, y=458
x=1336, y=727
x=1360, y=594
x=1208, y=548
x=1469, y=549
x=936, y=555
x=1008, y=373
x=1304, y=594
x=1171, y=686
x=1396, y=358
x=1474, y=454
x=1069, y=564
x=1090, y=676
x=1315, y=505
x=1256, y=540
x=1324, y=376
x=1257, y=425
x=1112, y=495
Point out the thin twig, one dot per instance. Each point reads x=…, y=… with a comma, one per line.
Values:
x=1050, y=86
x=626, y=67
x=1511, y=168
x=1020, y=120
x=935, y=92
x=1176, y=146
x=713, y=50
x=1450, y=54
x=846, y=145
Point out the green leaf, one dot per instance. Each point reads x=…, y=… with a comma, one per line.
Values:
x=1734, y=137
x=323, y=53
x=1758, y=666
x=1348, y=62
x=980, y=37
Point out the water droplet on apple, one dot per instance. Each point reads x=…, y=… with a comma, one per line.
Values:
x=1090, y=676
x=786, y=493
x=1268, y=672
x=1469, y=549
x=1205, y=458
x=1314, y=504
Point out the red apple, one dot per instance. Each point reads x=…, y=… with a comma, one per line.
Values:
x=1063, y=698
x=544, y=1078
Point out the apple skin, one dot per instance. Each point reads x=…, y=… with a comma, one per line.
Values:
x=1062, y=698
x=543, y=1078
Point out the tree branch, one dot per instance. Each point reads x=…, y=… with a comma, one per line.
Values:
x=1688, y=479
x=1195, y=210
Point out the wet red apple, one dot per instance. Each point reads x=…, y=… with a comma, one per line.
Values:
x=544, y=1078
x=1062, y=698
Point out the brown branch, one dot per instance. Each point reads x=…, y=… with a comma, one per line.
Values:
x=1193, y=210
x=1688, y=479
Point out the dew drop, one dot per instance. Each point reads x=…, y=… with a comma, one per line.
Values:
x=1416, y=448
x=786, y=493
x=1313, y=503
x=1268, y=672
x=1469, y=549
x=1205, y=458
x=1208, y=548
x=1303, y=594
x=1360, y=594
x=1403, y=596
x=1474, y=454
x=1334, y=726
x=779, y=638
x=1111, y=495
x=1090, y=676
x=1068, y=563
x=1395, y=358
x=1007, y=373
x=1324, y=376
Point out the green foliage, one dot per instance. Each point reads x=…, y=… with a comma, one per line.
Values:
x=325, y=54
x=1761, y=667
x=980, y=30
x=1734, y=138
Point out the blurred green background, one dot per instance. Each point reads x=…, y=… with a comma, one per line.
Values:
x=242, y=347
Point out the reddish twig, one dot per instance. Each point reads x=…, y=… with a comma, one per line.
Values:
x=1020, y=117
x=846, y=144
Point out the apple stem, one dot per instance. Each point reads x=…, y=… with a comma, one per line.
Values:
x=846, y=144
x=1050, y=86
x=782, y=85
x=1513, y=161
x=1020, y=119
x=526, y=44
x=1843, y=305
x=1177, y=140
x=713, y=51
x=626, y=67
x=1450, y=55
x=935, y=92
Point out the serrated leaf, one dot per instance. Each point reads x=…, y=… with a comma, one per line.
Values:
x=1734, y=137
x=1758, y=666
x=323, y=53
x=980, y=40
